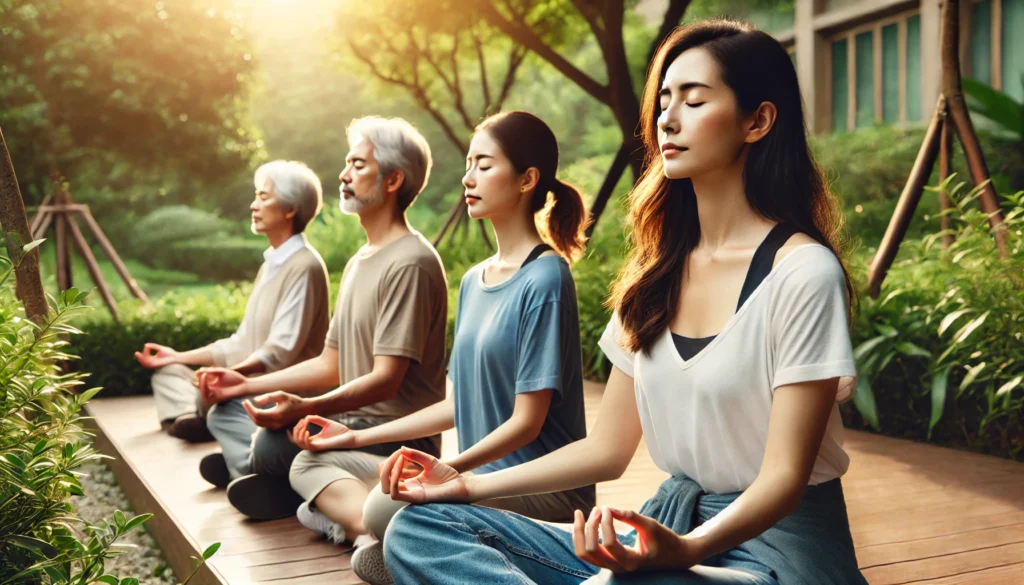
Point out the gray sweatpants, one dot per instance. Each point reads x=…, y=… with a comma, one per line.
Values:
x=247, y=448
x=174, y=391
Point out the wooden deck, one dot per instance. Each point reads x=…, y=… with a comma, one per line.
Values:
x=920, y=514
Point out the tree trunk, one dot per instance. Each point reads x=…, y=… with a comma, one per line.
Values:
x=29, y=286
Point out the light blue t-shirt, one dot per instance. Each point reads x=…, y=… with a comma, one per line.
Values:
x=519, y=336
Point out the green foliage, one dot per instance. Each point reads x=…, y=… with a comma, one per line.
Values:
x=996, y=105
x=941, y=350
x=869, y=168
x=183, y=320
x=94, y=85
x=42, y=443
x=191, y=240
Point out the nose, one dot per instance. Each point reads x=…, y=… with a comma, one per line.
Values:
x=467, y=180
x=345, y=177
x=255, y=204
x=668, y=121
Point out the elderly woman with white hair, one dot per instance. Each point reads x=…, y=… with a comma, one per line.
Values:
x=285, y=322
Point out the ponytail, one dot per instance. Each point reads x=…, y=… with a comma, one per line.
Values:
x=563, y=219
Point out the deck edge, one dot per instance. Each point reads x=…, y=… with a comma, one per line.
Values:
x=176, y=544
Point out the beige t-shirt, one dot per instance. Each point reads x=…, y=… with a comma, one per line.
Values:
x=394, y=302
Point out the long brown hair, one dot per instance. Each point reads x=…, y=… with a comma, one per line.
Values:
x=528, y=142
x=781, y=179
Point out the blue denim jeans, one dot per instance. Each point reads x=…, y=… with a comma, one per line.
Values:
x=454, y=544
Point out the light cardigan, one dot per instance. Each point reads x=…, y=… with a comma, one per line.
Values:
x=287, y=315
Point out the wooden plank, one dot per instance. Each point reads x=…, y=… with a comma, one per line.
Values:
x=1005, y=575
x=851, y=82
x=876, y=48
x=945, y=566
x=997, y=44
x=178, y=548
x=332, y=578
x=887, y=554
x=864, y=536
x=901, y=46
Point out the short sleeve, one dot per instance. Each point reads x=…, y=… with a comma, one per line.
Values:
x=540, y=350
x=333, y=331
x=409, y=299
x=289, y=330
x=609, y=343
x=809, y=326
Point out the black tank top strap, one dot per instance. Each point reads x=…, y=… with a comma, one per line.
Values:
x=764, y=258
x=535, y=253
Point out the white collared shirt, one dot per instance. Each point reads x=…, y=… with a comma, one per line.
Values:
x=276, y=257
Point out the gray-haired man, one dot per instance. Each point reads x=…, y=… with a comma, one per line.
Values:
x=385, y=347
x=285, y=319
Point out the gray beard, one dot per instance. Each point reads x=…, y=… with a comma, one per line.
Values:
x=355, y=206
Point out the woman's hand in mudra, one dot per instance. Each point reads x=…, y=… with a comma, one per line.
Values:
x=657, y=547
x=435, y=482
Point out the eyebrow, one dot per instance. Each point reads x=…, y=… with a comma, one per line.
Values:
x=355, y=159
x=685, y=87
x=479, y=156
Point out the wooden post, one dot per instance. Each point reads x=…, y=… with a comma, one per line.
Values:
x=91, y=264
x=962, y=122
x=454, y=215
x=909, y=198
x=111, y=253
x=63, y=259
x=945, y=163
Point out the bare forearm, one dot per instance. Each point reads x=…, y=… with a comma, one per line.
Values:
x=769, y=499
x=575, y=465
x=507, y=438
x=309, y=376
x=202, y=357
x=364, y=390
x=250, y=366
x=429, y=421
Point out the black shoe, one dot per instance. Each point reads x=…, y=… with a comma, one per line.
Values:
x=214, y=469
x=191, y=429
x=263, y=497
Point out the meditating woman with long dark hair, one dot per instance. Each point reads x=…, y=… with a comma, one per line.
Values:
x=730, y=347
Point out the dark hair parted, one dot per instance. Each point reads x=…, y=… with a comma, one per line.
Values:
x=781, y=179
x=528, y=142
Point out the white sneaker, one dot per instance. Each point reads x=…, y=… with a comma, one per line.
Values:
x=320, y=524
x=368, y=564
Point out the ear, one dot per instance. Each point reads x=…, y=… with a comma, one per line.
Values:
x=290, y=214
x=529, y=179
x=760, y=122
x=393, y=182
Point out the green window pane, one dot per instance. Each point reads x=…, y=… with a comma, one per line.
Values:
x=1013, y=48
x=840, y=86
x=891, y=73
x=913, y=79
x=865, y=74
x=981, y=41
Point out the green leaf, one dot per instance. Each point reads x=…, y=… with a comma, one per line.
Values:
x=995, y=105
x=950, y=319
x=137, y=521
x=1009, y=385
x=119, y=519
x=887, y=330
x=972, y=374
x=129, y=581
x=864, y=402
x=966, y=330
x=866, y=347
x=210, y=551
x=39, y=547
x=940, y=383
x=108, y=579
x=32, y=245
x=908, y=348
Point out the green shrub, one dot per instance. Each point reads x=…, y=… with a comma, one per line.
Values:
x=42, y=443
x=182, y=320
x=868, y=168
x=940, y=354
x=186, y=239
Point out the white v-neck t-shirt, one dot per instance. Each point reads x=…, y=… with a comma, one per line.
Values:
x=707, y=417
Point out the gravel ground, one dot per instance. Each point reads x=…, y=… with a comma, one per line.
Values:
x=145, y=561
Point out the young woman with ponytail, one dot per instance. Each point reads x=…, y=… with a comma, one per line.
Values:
x=515, y=376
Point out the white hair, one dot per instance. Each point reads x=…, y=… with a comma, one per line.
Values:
x=297, y=188
x=397, y=146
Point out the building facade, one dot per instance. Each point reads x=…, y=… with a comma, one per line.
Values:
x=862, y=62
